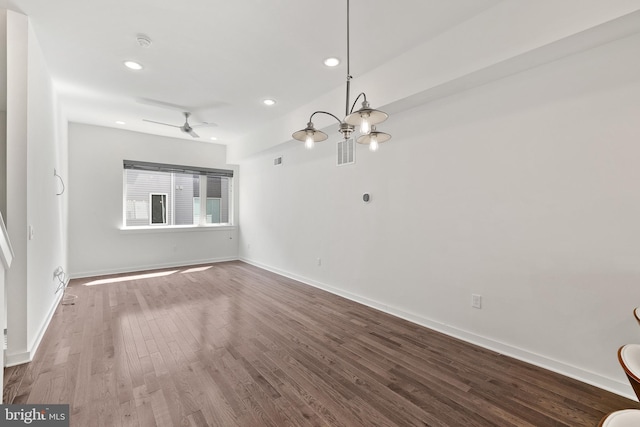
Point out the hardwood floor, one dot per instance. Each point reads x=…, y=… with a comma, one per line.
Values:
x=230, y=344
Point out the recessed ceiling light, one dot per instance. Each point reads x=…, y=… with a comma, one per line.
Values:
x=269, y=102
x=133, y=65
x=120, y=122
x=331, y=62
x=213, y=138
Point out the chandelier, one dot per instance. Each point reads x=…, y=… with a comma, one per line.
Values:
x=366, y=118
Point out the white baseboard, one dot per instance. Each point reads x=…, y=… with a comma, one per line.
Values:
x=137, y=268
x=27, y=356
x=17, y=359
x=605, y=383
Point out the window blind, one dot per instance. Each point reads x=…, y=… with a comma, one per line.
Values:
x=162, y=167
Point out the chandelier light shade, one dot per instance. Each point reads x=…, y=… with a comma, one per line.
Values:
x=373, y=139
x=366, y=118
x=310, y=135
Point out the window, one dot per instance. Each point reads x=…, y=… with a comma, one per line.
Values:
x=169, y=195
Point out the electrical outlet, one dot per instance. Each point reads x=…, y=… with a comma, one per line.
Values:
x=319, y=261
x=476, y=301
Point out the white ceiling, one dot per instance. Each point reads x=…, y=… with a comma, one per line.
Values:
x=220, y=58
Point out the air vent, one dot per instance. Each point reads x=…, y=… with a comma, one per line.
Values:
x=346, y=152
x=277, y=161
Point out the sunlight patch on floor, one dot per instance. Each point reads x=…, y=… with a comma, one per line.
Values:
x=195, y=269
x=128, y=278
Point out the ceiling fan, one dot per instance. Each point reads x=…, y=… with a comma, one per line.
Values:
x=186, y=127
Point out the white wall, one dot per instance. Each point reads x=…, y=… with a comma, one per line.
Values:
x=3, y=163
x=35, y=145
x=16, y=220
x=3, y=112
x=97, y=245
x=46, y=151
x=523, y=191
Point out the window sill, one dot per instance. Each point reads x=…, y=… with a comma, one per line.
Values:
x=176, y=228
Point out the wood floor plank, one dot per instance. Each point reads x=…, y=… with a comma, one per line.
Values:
x=212, y=401
x=231, y=345
x=127, y=415
x=143, y=407
x=12, y=380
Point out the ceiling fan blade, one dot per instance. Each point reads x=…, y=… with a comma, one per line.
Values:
x=204, y=124
x=160, y=123
x=186, y=128
x=161, y=104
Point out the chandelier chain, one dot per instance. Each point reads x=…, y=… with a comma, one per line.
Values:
x=346, y=108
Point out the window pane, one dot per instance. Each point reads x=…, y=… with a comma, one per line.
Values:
x=187, y=186
x=213, y=211
x=158, y=209
x=139, y=187
x=196, y=210
x=218, y=196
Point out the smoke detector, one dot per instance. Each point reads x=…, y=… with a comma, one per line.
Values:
x=143, y=40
